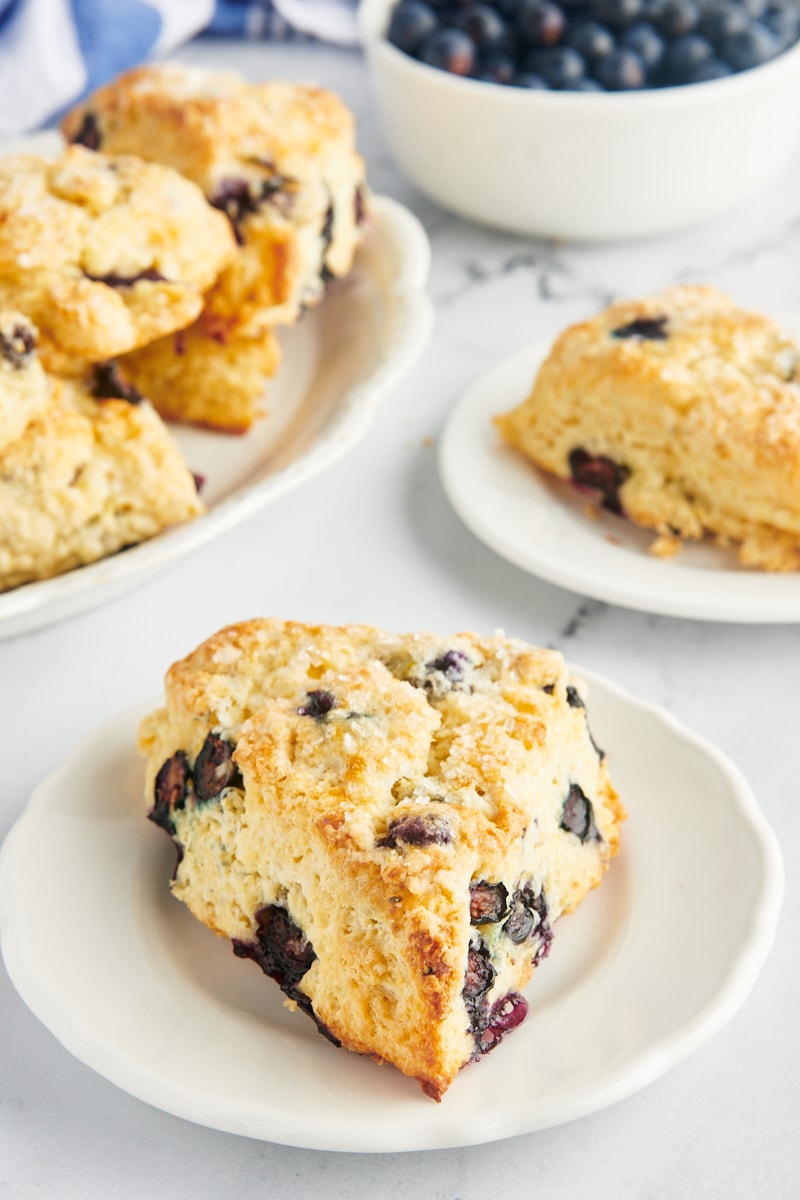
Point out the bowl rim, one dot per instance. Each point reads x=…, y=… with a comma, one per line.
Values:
x=372, y=28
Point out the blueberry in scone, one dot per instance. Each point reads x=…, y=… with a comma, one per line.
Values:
x=389, y=826
x=680, y=411
x=24, y=387
x=278, y=159
x=104, y=253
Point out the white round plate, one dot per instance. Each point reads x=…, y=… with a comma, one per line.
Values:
x=338, y=363
x=542, y=525
x=653, y=963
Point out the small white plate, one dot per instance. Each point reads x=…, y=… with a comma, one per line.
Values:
x=541, y=524
x=338, y=363
x=652, y=964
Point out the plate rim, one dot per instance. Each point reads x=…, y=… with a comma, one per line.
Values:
x=643, y=1068
x=723, y=606
x=28, y=606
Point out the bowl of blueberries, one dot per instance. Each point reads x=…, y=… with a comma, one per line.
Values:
x=587, y=119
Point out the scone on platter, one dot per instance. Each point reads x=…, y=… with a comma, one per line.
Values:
x=103, y=253
x=213, y=379
x=278, y=158
x=24, y=387
x=680, y=411
x=389, y=826
x=95, y=472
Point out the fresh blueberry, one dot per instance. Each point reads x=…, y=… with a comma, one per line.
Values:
x=622, y=70
x=752, y=47
x=411, y=23
x=713, y=68
x=599, y=474
x=450, y=50
x=590, y=39
x=496, y=68
x=529, y=79
x=488, y=902
x=647, y=42
x=782, y=18
x=585, y=85
x=214, y=768
x=482, y=24
x=617, y=13
x=679, y=17
x=421, y=829
x=722, y=19
x=685, y=56
x=540, y=23
x=578, y=815
x=560, y=66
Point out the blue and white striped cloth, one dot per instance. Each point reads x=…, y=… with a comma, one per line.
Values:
x=54, y=51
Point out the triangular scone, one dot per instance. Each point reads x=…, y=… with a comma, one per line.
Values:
x=679, y=411
x=389, y=825
x=278, y=158
x=90, y=475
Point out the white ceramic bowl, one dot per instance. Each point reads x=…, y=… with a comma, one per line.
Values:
x=583, y=165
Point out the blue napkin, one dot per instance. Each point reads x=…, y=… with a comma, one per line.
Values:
x=52, y=52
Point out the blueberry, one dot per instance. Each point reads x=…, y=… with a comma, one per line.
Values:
x=652, y=10
x=528, y=79
x=411, y=23
x=478, y=979
x=653, y=329
x=600, y=474
x=756, y=8
x=617, y=13
x=18, y=346
x=421, y=829
x=481, y=23
x=506, y=1014
x=89, y=133
x=559, y=66
x=282, y=950
x=679, y=17
x=449, y=50
x=686, y=55
x=237, y=198
x=496, y=68
x=647, y=42
x=721, y=20
x=622, y=70
x=752, y=47
x=488, y=902
x=452, y=664
x=578, y=815
x=171, y=790
x=540, y=23
x=113, y=279
x=713, y=68
x=317, y=704
x=214, y=768
x=444, y=674
x=782, y=19
x=108, y=384
x=590, y=39
x=573, y=697
x=528, y=916
x=585, y=85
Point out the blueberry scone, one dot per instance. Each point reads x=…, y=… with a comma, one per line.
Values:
x=94, y=473
x=104, y=254
x=24, y=387
x=389, y=826
x=278, y=158
x=681, y=412
x=213, y=379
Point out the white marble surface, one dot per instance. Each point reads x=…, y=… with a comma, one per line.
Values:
x=375, y=540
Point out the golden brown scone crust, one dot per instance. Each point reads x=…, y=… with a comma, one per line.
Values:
x=363, y=782
x=700, y=414
x=24, y=388
x=217, y=380
x=104, y=254
x=85, y=479
x=279, y=158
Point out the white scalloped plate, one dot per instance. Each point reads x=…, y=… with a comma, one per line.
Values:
x=338, y=363
x=542, y=525
x=653, y=963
